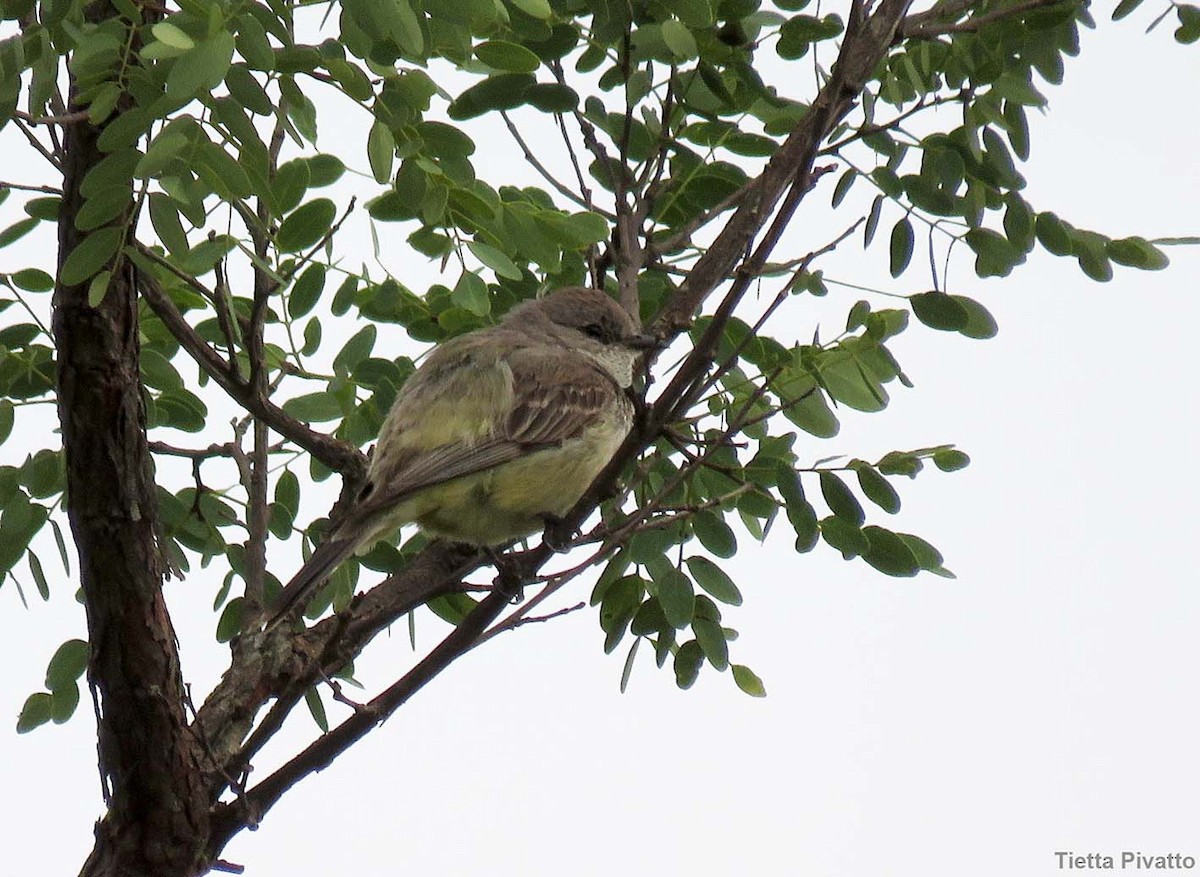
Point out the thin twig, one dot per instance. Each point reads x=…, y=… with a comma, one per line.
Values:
x=22, y=187
x=545, y=174
x=929, y=30
x=65, y=119
x=37, y=144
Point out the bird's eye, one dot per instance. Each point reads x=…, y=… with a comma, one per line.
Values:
x=594, y=330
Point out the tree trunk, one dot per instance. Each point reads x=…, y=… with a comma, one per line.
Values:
x=157, y=815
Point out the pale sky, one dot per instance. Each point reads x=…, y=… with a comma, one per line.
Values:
x=1043, y=701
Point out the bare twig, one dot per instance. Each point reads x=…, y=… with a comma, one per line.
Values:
x=514, y=621
x=929, y=28
x=22, y=187
x=65, y=119
x=545, y=174
x=37, y=144
x=868, y=130
x=228, y=449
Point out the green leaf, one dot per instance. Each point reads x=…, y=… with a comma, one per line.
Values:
x=844, y=536
x=1124, y=8
x=494, y=259
x=901, y=247
x=798, y=32
x=165, y=32
x=1090, y=249
x=801, y=515
x=306, y=291
x=33, y=280
x=63, y=702
x=535, y=8
x=877, y=489
x=181, y=409
x=90, y=255
x=713, y=579
x=324, y=170
x=510, y=57
x=355, y=350
x=287, y=492
x=1053, y=234
x=679, y=39
x=471, y=293
x=552, y=97
x=980, y=323
x=889, y=554
x=676, y=596
x=306, y=225
x=840, y=499
x=389, y=19
x=937, y=310
x=872, y=221
x=1189, y=24
x=627, y=670
x=997, y=256
x=67, y=665
x=504, y=91
x=202, y=68
x=951, y=460
x=164, y=216
x=62, y=546
x=747, y=680
x=36, y=711
x=927, y=556
x=7, y=417
x=39, y=575
x=648, y=619
x=843, y=186
x=713, y=644
x=316, y=708
x=714, y=534
x=314, y=407
x=17, y=230
x=688, y=660
x=252, y=43
x=618, y=608
x=1137, y=252
x=381, y=151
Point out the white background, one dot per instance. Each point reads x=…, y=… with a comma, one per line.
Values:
x=1045, y=700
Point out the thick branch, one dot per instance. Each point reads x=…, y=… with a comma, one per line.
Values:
x=157, y=813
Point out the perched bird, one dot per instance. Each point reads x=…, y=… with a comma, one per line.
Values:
x=499, y=430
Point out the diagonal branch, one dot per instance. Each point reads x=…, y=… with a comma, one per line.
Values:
x=936, y=22
x=334, y=453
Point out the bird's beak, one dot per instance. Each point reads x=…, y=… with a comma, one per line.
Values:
x=642, y=341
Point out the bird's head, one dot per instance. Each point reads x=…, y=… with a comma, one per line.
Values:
x=590, y=321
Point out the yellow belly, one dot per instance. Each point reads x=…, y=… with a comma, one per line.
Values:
x=513, y=499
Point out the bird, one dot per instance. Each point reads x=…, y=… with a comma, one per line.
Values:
x=499, y=431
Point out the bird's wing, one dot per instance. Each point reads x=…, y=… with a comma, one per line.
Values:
x=556, y=394
x=535, y=398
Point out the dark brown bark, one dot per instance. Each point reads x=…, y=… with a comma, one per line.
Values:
x=157, y=815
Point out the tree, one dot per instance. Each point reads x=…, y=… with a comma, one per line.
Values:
x=684, y=166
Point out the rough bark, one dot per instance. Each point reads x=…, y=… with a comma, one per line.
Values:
x=156, y=818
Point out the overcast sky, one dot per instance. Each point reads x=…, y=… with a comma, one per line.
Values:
x=1043, y=701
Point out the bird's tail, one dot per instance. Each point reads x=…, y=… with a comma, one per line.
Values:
x=325, y=559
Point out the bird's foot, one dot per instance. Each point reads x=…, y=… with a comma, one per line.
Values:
x=556, y=535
